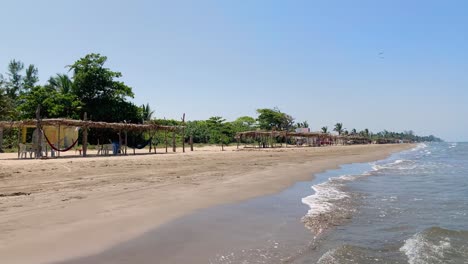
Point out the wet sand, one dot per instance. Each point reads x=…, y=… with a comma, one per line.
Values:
x=78, y=207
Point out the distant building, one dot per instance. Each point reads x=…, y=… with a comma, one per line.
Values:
x=303, y=130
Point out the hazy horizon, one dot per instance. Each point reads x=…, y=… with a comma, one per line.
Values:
x=392, y=65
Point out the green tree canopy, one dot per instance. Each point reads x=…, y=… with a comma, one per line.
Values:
x=244, y=123
x=339, y=128
x=53, y=103
x=104, y=98
x=274, y=119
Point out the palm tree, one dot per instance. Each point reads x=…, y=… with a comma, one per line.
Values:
x=366, y=132
x=338, y=128
x=325, y=130
x=61, y=83
x=353, y=131
x=147, y=112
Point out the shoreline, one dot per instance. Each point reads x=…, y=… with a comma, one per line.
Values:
x=112, y=200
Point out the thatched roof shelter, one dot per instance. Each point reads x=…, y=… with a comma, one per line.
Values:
x=88, y=124
x=85, y=125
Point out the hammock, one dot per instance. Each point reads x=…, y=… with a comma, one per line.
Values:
x=60, y=150
x=142, y=146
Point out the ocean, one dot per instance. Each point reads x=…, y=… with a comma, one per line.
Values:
x=409, y=208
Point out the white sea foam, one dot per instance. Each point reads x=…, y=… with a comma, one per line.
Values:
x=419, y=146
x=420, y=250
x=377, y=167
x=327, y=194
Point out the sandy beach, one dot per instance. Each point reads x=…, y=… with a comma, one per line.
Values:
x=56, y=209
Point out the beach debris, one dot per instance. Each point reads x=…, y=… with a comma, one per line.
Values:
x=13, y=194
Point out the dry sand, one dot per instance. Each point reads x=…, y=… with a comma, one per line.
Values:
x=68, y=207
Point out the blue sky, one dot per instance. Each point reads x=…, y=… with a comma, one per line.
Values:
x=316, y=60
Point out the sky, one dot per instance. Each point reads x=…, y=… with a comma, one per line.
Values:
x=395, y=65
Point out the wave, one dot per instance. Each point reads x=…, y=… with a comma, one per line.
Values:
x=330, y=205
x=419, y=147
x=398, y=164
x=437, y=245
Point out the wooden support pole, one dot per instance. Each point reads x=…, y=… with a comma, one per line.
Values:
x=286, y=139
x=134, y=149
x=1, y=139
x=39, y=132
x=271, y=139
x=120, y=143
x=238, y=142
x=173, y=142
x=58, y=141
x=165, y=139
x=85, y=136
x=19, y=137
x=183, y=133
x=126, y=142
x=152, y=138
x=191, y=142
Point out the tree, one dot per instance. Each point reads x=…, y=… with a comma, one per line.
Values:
x=147, y=112
x=61, y=83
x=353, y=131
x=302, y=125
x=244, y=123
x=338, y=128
x=14, y=83
x=6, y=106
x=31, y=78
x=198, y=130
x=221, y=132
x=325, y=130
x=103, y=97
x=53, y=103
x=274, y=119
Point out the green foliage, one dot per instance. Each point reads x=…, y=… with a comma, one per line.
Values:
x=14, y=83
x=304, y=124
x=325, y=129
x=199, y=130
x=7, y=111
x=96, y=86
x=53, y=103
x=146, y=112
x=31, y=78
x=93, y=81
x=339, y=128
x=61, y=83
x=221, y=132
x=270, y=119
x=244, y=123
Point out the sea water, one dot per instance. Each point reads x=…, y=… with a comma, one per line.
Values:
x=410, y=208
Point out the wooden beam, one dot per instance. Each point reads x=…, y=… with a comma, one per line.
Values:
x=173, y=142
x=39, y=133
x=183, y=133
x=85, y=136
x=120, y=143
x=1, y=139
x=126, y=142
x=191, y=142
x=58, y=141
x=18, y=143
x=165, y=139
